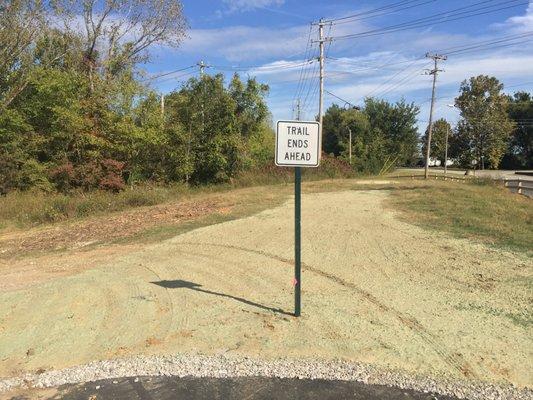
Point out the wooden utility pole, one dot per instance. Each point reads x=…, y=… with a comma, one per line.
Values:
x=434, y=72
x=298, y=110
x=321, y=61
x=202, y=67
x=350, y=146
x=446, y=151
x=162, y=105
x=321, y=64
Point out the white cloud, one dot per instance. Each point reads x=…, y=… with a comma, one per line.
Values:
x=248, y=5
x=521, y=23
x=244, y=43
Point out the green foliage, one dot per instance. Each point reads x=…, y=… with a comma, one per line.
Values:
x=484, y=129
x=397, y=124
x=441, y=128
x=72, y=128
x=519, y=154
x=383, y=134
x=332, y=130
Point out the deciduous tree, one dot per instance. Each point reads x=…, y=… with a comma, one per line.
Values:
x=485, y=127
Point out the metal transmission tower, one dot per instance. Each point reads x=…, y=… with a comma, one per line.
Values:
x=434, y=72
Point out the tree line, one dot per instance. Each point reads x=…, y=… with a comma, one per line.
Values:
x=76, y=110
x=495, y=130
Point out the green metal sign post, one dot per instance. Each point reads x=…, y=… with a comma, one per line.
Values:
x=297, y=240
x=297, y=146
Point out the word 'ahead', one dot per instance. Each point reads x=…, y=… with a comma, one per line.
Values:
x=298, y=144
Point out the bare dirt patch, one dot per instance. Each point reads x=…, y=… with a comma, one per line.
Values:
x=104, y=229
x=375, y=290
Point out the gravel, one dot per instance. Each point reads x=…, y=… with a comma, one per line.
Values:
x=224, y=366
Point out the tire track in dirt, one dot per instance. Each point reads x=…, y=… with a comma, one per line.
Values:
x=328, y=327
x=454, y=360
x=170, y=302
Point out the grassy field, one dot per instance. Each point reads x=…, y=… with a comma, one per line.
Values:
x=33, y=208
x=479, y=210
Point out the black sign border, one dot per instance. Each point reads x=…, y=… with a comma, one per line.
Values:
x=319, y=145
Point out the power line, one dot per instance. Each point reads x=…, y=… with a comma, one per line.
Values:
x=438, y=18
x=308, y=49
x=166, y=73
x=341, y=99
x=381, y=14
x=450, y=50
x=262, y=68
x=393, y=76
x=369, y=12
x=174, y=78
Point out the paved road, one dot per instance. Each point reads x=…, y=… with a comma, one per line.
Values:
x=487, y=173
x=174, y=388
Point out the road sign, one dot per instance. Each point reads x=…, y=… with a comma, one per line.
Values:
x=298, y=144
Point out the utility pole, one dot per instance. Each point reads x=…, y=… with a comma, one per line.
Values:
x=298, y=110
x=162, y=105
x=321, y=41
x=202, y=67
x=434, y=72
x=321, y=61
x=350, y=147
x=446, y=151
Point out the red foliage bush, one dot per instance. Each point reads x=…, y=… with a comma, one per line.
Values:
x=105, y=175
x=62, y=176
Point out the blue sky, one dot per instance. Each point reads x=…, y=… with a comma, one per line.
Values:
x=268, y=39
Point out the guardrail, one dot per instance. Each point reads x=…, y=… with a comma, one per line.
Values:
x=447, y=177
x=520, y=186
x=517, y=185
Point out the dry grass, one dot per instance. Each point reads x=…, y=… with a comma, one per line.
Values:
x=479, y=210
x=33, y=208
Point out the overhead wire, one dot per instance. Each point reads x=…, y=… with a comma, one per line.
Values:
x=381, y=14
x=448, y=16
x=308, y=49
x=363, y=13
x=166, y=74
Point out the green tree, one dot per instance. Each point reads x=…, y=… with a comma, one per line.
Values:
x=519, y=154
x=332, y=130
x=441, y=129
x=397, y=123
x=368, y=144
x=485, y=127
x=213, y=146
x=22, y=22
x=251, y=111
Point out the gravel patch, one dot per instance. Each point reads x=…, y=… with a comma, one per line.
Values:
x=224, y=366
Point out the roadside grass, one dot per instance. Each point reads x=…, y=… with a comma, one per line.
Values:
x=249, y=201
x=242, y=202
x=481, y=210
x=34, y=208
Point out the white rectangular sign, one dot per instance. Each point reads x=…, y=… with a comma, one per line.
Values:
x=298, y=144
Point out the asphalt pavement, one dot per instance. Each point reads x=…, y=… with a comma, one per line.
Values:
x=175, y=388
